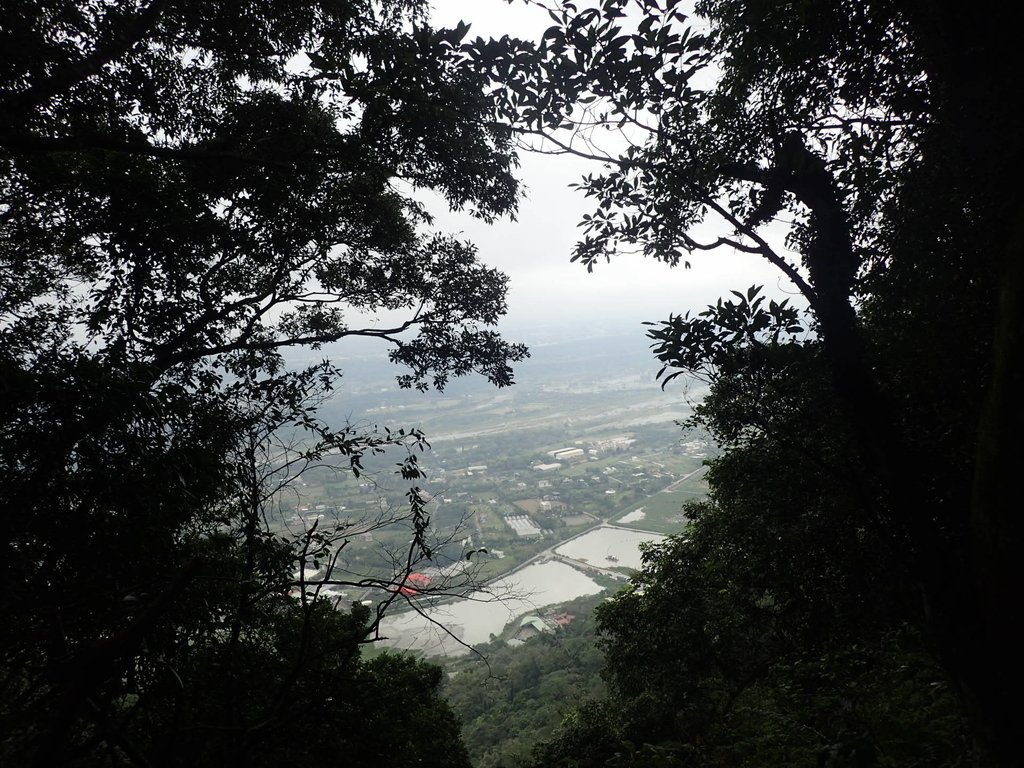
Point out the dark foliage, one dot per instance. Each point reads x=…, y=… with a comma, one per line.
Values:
x=866, y=488
x=187, y=188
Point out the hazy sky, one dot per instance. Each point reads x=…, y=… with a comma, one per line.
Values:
x=535, y=250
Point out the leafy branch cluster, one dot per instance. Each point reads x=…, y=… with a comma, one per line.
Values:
x=188, y=190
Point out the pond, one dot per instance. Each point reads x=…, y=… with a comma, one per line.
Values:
x=633, y=517
x=447, y=629
x=473, y=620
x=608, y=547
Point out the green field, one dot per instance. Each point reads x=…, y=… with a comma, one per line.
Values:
x=503, y=436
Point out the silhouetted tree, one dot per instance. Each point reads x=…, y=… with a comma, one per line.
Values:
x=884, y=139
x=186, y=190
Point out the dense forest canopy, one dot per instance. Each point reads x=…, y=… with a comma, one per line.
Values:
x=188, y=188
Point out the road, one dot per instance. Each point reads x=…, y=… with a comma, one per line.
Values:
x=550, y=554
x=672, y=486
x=652, y=411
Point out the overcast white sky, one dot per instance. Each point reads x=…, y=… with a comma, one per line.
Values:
x=535, y=250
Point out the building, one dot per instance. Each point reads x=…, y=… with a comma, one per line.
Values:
x=547, y=467
x=571, y=454
x=529, y=628
x=568, y=454
x=614, y=444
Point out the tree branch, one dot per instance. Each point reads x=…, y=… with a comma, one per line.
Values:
x=72, y=73
x=14, y=142
x=168, y=360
